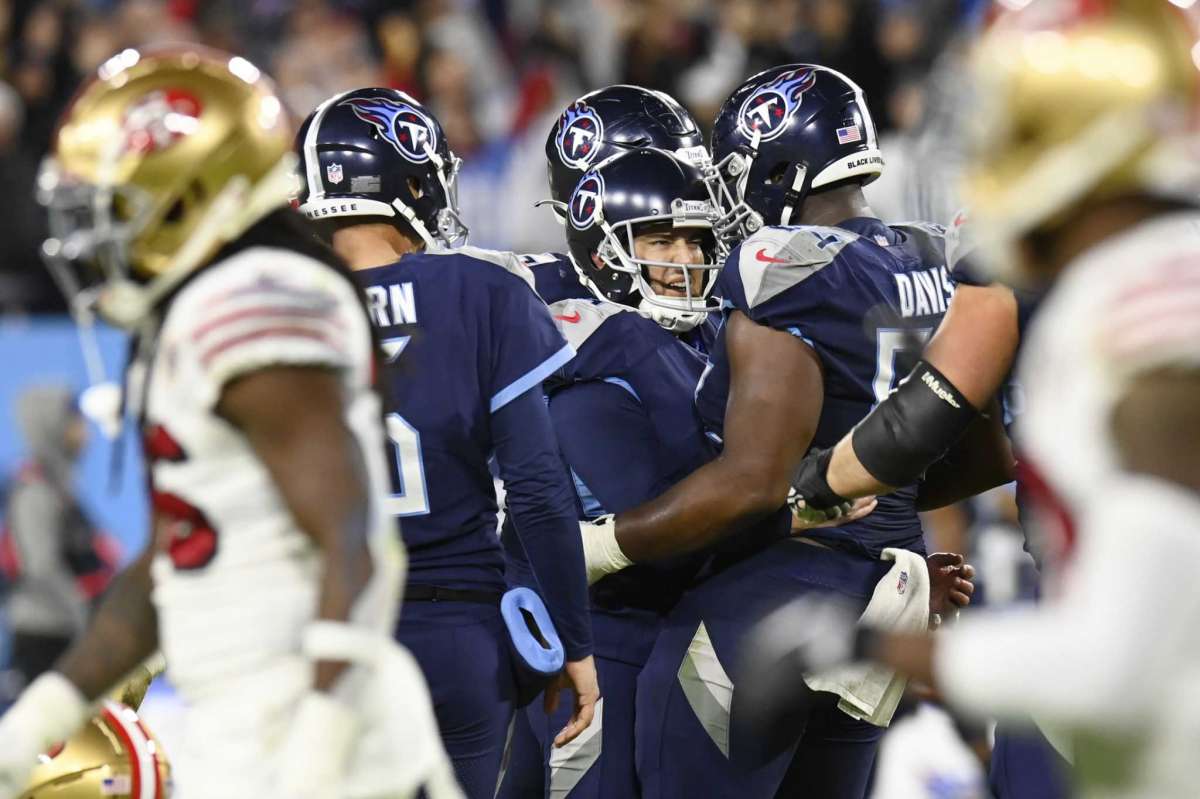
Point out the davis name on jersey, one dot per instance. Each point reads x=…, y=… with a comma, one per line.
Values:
x=235, y=578
x=864, y=296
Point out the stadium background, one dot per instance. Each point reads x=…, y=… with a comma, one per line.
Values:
x=496, y=73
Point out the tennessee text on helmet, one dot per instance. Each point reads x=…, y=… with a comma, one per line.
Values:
x=613, y=120
x=784, y=133
x=614, y=203
x=159, y=160
x=113, y=757
x=379, y=153
x=1078, y=103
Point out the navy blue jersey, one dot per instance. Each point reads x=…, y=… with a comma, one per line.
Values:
x=555, y=278
x=465, y=335
x=864, y=296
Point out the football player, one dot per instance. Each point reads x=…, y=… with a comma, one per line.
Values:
x=820, y=300
x=1112, y=388
x=597, y=126
x=469, y=344
x=622, y=412
x=272, y=576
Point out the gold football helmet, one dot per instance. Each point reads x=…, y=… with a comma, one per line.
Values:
x=1078, y=103
x=113, y=757
x=160, y=159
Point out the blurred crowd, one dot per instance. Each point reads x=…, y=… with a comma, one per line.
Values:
x=496, y=72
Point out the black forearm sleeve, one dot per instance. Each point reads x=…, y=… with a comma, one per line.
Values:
x=913, y=427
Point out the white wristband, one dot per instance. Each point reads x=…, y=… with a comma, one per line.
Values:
x=601, y=553
x=49, y=711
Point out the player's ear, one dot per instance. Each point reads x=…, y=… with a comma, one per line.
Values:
x=597, y=262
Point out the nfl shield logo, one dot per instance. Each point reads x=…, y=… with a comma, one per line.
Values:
x=334, y=173
x=902, y=583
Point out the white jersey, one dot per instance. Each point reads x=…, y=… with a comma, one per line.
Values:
x=235, y=579
x=1113, y=660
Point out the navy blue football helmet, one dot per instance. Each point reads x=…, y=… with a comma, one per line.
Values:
x=380, y=153
x=613, y=120
x=784, y=133
x=631, y=193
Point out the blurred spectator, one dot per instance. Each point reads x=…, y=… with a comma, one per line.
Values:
x=494, y=71
x=53, y=560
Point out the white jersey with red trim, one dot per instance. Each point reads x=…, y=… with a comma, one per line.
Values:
x=1125, y=307
x=235, y=578
x=1113, y=655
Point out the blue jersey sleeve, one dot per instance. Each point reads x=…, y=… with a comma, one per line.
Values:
x=542, y=510
x=526, y=347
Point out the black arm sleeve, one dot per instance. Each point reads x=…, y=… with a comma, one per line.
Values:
x=913, y=427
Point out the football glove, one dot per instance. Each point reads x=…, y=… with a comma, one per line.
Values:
x=810, y=497
x=49, y=711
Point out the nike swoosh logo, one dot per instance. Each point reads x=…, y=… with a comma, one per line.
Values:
x=572, y=319
x=761, y=255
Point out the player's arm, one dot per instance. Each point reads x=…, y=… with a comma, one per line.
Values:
x=122, y=633
x=961, y=370
x=980, y=460
x=293, y=419
x=541, y=506
x=775, y=395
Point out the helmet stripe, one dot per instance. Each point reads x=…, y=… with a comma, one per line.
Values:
x=143, y=758
x=312, y=166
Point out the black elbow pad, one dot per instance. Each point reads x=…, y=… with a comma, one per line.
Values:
x=913, y=427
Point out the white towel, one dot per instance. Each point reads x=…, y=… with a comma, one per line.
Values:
x=900, y=603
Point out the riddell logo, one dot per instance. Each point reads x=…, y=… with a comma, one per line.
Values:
x=936, y=388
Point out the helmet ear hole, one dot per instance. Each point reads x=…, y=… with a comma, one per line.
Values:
x=414, y=186
x=776, y=174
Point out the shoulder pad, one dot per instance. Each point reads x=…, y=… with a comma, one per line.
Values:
x=959, y=239
x=578, y=319
x=929, y=239
x=509, y=261
x=776, y=258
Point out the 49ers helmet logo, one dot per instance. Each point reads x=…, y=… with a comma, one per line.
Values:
x=579, y=134
x=585, y=201
x=769, y=108
x=159, y=119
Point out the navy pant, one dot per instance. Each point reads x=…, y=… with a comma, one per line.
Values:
x=600, y=763
x=1025, y=766
x=463, y=650
x=686, y=743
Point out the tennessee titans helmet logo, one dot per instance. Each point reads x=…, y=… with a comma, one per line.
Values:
x=401, y=125
x=769, y=107
x=579, y=133
x=585, y=201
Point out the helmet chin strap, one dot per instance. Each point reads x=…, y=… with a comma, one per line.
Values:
x=791, y=204
x=674, y=320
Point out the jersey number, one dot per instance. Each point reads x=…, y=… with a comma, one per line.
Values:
x=411, y=498
x=890, y=344
x=180, y=528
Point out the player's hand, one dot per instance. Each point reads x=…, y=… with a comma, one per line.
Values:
x=317, y=750
x=805, y=518
x=51, y=709
x=810, y=486
x=580, y=677
x=951, y=582
x=17, y=760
